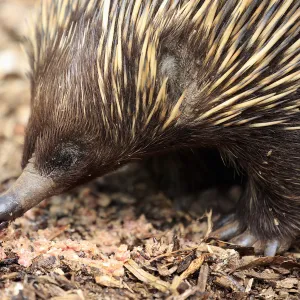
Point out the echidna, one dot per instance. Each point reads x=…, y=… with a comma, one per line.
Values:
x=114, y=81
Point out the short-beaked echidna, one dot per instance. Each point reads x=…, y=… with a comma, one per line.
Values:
x=114, y=81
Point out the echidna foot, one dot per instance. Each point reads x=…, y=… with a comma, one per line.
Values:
x=226, y=228
x=228, y=218
x=269, y=247
x=234, y=233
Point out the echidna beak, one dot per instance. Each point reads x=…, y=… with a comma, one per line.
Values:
x=29, y=189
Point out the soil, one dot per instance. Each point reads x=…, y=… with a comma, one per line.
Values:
x=118, y=237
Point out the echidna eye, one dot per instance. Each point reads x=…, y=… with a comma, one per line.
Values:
x=64, y=158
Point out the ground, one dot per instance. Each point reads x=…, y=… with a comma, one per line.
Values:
x=118, y=237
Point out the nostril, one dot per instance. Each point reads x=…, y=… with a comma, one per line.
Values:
x=4, y=225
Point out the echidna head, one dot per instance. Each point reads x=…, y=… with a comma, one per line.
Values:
x=66, y=139
x=67, y=142
x=99, y=95
x=70, y=136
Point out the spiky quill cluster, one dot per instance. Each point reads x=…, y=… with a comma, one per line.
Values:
x=123, y=38
x=247, y=56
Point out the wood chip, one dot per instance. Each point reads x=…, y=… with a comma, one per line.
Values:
x=249, y=285
x=266, y=261
x=10, y=276
x=209, y=224
x=185, y=263
x=108, y=281
x=78, y=295
x=287, y=283
x=193, y=267
x=146, y=277
x=263, y=275
x=268, y=293
x=164, y=271
x=203, y=276
x=229, y=283
x=172, y=253
x=185, y=295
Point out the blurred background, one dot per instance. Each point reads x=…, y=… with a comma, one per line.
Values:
x=14, y=85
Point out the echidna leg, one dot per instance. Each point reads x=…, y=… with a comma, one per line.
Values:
x=261, y=221
x=268, y=213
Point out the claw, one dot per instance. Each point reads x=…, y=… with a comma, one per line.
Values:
x=246, y=239
x=234, y=233
x=277, y=246
x=227, y=231
x=224, y=220
x=271, y=248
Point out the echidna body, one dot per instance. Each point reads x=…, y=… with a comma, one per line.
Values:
x=115, y=81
